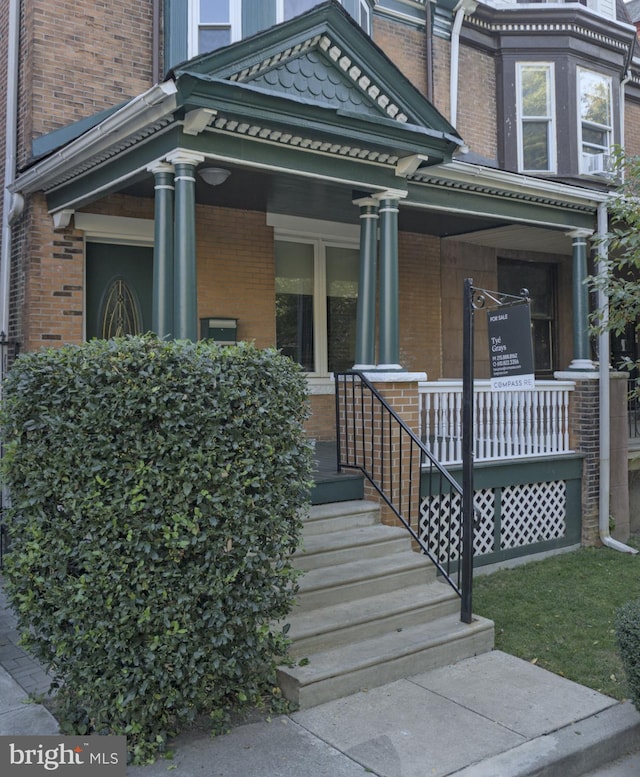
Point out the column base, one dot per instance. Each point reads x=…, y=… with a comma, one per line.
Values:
x=582, y=365
x=389, y=368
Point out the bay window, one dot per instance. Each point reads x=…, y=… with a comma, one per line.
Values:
x=536, y=117
x=595, y=125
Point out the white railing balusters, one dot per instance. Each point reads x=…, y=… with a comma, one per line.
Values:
x=507, y=424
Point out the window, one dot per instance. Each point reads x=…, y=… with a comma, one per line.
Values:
x=316, y=299
x=536, y=125
x=595, y=127
x=602, y=7
x=540, y=280
x=359, y=9
x=213, y=24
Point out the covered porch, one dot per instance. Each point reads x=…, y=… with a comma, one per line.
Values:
x=232, y=190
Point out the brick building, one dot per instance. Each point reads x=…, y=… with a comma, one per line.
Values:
x=201, y=168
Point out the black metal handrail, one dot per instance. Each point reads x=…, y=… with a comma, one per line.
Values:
x=421, y=493
x=633, y=408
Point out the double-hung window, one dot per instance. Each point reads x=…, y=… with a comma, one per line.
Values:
x=595, y=126
x=316, y=299
x=213, y=24
x=536, y=117
x=359, y=9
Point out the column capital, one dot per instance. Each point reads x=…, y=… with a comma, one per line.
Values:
x=577, y=234
x=182, y=156
x=390, y=194
x=366, y=202
x=159, y=166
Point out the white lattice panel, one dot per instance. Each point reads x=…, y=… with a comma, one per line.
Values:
x=533, y=512
x=443, y=514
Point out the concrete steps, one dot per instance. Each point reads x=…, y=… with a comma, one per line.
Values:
x=370, y=610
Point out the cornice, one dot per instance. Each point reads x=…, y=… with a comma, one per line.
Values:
x=550, y=21
x=471, y=178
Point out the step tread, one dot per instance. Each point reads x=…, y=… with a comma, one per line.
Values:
x=336, y=509
x=364, y=569
x=351, y=613
x=351, y=538
x=388, y=647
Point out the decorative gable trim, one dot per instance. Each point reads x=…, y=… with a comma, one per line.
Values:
x=365, y=85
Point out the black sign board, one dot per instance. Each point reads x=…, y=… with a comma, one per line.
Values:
x=510, y=349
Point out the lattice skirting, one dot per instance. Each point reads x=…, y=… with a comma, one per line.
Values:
x=509, y=517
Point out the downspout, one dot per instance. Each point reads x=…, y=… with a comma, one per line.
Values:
x=429, y=31
x=605, y=420
x=155, y=57
x=463, y=7
x=12, y=204
x=623, y=83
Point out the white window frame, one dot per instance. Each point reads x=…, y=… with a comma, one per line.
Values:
x=363, y=6
x=341, y=236
x=550, y=119
x=601, y=7
x=235, y=24
x=608, y=128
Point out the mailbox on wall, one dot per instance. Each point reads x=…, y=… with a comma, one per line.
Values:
x=223, y=331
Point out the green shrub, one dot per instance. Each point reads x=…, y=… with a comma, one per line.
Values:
x=156, y=489
x=627, y=627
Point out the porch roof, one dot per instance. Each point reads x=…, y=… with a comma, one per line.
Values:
x=311, y=102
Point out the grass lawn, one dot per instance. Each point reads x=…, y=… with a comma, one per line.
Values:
x=559, y=613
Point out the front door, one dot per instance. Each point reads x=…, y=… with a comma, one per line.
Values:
x=119, y=290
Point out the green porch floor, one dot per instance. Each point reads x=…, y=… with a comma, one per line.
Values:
x=329, y=484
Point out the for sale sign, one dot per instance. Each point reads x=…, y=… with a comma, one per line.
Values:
x=510, y=349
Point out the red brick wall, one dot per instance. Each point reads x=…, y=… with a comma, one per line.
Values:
x=78, y=59
x=420, y=322
x=632, y=127
x=406, y=46
x=52, y=304
x=476, y=122
x=441, y=75
x=236, y=271
x=584, y=438
x=461, y=261
x=477, y=102
x=321, y=424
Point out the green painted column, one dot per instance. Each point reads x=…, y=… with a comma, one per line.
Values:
x=185, y=286
x=581, y=353
x=367, y=282
x=389, y=318
x=162, y=301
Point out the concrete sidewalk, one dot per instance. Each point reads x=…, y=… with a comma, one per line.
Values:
x=489, y=716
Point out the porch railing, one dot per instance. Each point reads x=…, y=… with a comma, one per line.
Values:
x=372, y=438
x=507, y=424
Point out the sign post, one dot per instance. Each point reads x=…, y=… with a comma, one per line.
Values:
x=511, y=358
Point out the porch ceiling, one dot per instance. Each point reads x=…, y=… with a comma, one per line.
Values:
x=250, y=189
x=521, y=238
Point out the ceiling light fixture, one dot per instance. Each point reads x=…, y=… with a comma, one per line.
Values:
x=214, y=176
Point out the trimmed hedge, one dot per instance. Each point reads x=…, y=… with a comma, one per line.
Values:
x=627, y=626
x=156, y=489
